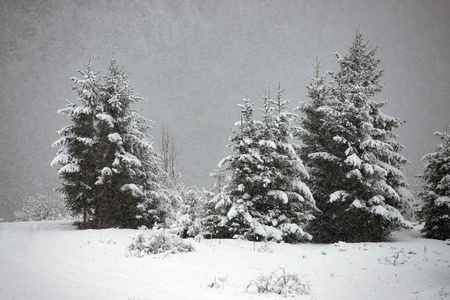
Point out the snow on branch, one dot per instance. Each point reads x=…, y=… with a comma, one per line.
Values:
x=323, y=156
x=133, y=188
x=106, y=118
x=62, y=159
x=392, y=214
x=443, y=200
x=115, y=138
x=60, y=141
x=279, y=195
x=69, y=168
x=354, y=161
x=304, y=189
x=268, y=144
x=130, y=159
x=338, y=196
x=86, y=141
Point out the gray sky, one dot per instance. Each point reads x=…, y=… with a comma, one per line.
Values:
x=193, y=61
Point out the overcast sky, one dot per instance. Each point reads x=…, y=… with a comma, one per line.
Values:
x=193, y=61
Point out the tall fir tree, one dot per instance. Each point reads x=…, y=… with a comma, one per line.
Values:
x=77, y=154
x=128, y=181
x=114, y=165
x=315, y=134
x=359, y=182
x=266, y=197
x=436, y=190
x=235, y=199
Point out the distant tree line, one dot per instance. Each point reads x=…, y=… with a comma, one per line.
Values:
x=331, y=170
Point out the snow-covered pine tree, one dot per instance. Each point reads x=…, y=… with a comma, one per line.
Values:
x=78, y=155
x=244, y=165
x=266, y=198
x=127, y=184
x=109, y=170
x=436, y=189
x=315, y=134
x=286, y=202
x=365, y=189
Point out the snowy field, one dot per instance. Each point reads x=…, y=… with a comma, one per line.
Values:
x=52, y=260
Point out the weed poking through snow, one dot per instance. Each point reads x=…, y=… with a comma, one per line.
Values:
x=219, y=282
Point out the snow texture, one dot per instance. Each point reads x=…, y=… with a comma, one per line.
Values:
x=53, y=260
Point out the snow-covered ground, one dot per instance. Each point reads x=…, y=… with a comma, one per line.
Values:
x=52, y=260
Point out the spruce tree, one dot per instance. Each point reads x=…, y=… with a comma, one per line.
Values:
x=127, y=184
x=266, y=198
x=359, y=183
x=78, y=156
x=109, y=168
x=436, y=190
x=316, y=130
x=244, y=164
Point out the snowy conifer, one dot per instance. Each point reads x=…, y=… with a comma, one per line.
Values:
x=436, y=190
x=266, y=197
x=109, y=168
x=77, y=155
x=244, y=164
x=315, y=133
x=360, y=185
x=127, y=182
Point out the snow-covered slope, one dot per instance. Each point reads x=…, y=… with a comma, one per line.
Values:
x=52, y=260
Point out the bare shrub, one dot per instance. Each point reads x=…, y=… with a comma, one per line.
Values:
x=46, y=206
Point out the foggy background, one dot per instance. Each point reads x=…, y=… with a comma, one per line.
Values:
x=193, y=61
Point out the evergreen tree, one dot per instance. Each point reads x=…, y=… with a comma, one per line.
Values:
x=266, y=198
x=236, y=198
x=316, y=130
x=77, y=155
x=109, y=168
x=436, y=190
x=128, y=181
x=359, y=183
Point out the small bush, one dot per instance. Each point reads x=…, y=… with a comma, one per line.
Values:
x=279, y=282
x=156, y=242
